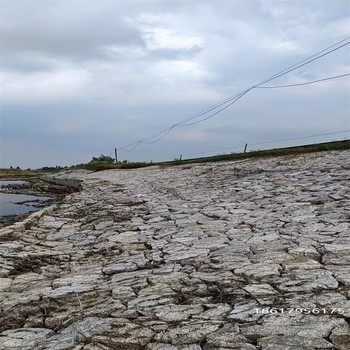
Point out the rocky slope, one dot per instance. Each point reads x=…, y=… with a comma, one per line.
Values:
x=241, y=255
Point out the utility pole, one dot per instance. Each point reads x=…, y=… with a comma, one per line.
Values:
x=116, y=155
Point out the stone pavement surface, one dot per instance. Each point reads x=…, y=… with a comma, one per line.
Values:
x=241, y=255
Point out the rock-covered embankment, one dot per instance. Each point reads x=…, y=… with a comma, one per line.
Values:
x=243, y=255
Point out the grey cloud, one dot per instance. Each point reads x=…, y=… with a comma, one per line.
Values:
x=83, y=44
x=161, y=54
x=84, y=77
x=24, y=63
x=77, y=32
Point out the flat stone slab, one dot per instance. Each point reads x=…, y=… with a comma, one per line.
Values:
x=245, y=255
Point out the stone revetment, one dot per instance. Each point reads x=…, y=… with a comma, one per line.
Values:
x=242, y=255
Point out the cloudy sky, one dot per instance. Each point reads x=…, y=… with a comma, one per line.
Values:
x=81, y=77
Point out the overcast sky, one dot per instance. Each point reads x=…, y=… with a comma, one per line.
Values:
x=82, y=77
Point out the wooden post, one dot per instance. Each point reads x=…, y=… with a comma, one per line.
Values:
x=245, y=148
x=116, y=155
x=180, y=156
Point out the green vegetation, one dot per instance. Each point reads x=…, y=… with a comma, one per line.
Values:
x=107, y=166
x=16, y=173
x=105, y=163
x=318, y=147
x=102, y=159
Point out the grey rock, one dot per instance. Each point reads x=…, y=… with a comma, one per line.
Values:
x=202, y=256
x=308, y=280
x=23, y=338
x=245, y=312
x=294, y=343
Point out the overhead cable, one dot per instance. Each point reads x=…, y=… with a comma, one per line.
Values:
x=266, y=142
x=300, y=84
x=231, y=100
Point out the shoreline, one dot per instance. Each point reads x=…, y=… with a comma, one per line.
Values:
x=33, y=187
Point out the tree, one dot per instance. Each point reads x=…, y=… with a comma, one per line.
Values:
x=102, y=159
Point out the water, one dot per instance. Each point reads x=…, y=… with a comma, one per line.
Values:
x=14, y=204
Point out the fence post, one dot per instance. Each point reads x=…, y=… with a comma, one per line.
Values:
x=116, y=155
x=245, y=148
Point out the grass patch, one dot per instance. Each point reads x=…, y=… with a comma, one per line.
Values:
x=107, y=166
x=318, y=147
x=275, y=152
x=16, y=173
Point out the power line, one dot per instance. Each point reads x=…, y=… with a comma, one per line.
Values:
x=236, y=97
x=300, y=84
x=286, y=71
x=299, y=138
x=215, y=150
x=267, y=142
x=169, y=129
x=307, y=60
x=231, y=100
